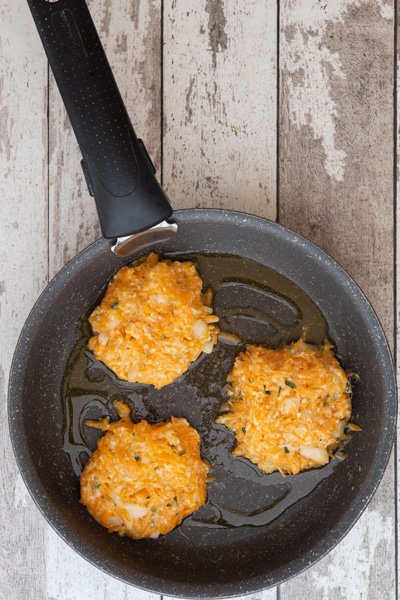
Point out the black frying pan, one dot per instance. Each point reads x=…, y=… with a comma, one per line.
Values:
x=256, y=531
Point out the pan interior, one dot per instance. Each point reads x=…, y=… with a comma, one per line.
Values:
x=259, y=306
x=255, y=530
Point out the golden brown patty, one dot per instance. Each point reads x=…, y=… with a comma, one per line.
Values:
x=153, y=322
x=289, y=407
x=143, y=480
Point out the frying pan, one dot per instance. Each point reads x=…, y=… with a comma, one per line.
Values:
x=270, y=286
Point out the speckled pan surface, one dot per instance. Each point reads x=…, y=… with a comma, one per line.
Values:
x=256, y=531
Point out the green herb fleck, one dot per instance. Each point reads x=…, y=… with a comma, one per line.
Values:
x=279, y=391
x=286, y=449
x=325, y=404
x=244, y=429
x=169, y=504
x=137, y=458
x=290, y=384
x=267, y=392
x=182, y=452
x=114, y=304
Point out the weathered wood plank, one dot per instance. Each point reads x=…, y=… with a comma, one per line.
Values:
x=70, y=577
x=131, y=35
x=220, y=91
x=336, y=187
x=336, y=168
x=397, y=273
x=23, y=272
x=220, y=105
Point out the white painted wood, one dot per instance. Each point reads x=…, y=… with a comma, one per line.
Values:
x=131, y=37
x=397, y=273
x=220, y=66
x=216, y=99
x=77, y=579
x=23, y=271
x=336, y=185
x=220, y=94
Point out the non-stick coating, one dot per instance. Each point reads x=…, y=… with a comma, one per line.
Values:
x=205, y=562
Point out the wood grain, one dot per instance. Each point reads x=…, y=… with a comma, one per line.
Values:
x=132, y=38
x=281, y=109
x=336, y=188
x=220, y=66
x=336, y=142
x=24, y=273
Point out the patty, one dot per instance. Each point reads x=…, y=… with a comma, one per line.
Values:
x=288, y=407
x=153, y=321
x=144, y=479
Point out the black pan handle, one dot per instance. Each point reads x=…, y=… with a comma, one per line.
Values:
x=116, y=165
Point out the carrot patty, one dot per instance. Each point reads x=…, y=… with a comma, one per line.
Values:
x=153, y=321
x=288, y=407
x=143, y=479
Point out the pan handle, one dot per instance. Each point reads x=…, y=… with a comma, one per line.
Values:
x=116, y=165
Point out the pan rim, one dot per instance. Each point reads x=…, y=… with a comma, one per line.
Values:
x=190, y=590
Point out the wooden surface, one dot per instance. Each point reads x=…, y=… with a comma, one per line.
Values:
x=283, y=109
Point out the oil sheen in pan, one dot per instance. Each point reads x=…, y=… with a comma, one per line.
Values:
x=260, y=306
